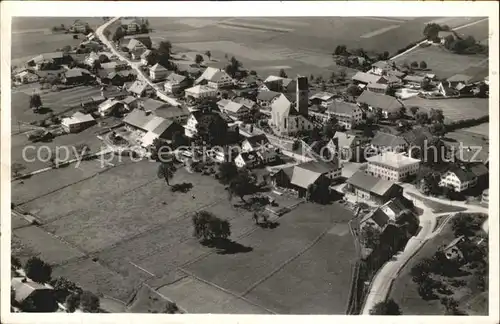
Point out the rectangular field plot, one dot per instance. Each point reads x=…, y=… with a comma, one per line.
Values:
x=453, y=109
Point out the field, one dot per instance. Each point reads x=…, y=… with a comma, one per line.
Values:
x=466, y=139
x=297, y=44
x=444, y=63
x=110, y=232
x=481, y=130
x=453, y=109
x=405, y=294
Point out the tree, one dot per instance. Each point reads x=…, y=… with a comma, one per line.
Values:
x=340, y=50
x=438, y=129
x=330, y=127
x=426, y=84
x=171, y=308
x=208, y=54
x=233, y=67
x=332, y=77
x=370, y=236
x=342, y=74
x=212, y=129
x=89, y=303
x=227, y=172
x=103, y=58
x=323, y=86
x=431, y=31
x=385, y=56
x=66, y=49
x=64, y=288
x=198, y=59
x=119, y=34
x=402, y=111
x=166, y=171
x=15, y=263
x=414, y=65
x=451, y=306
x=241, y=185
x=282, y=73
x=389, y=307
x=414, y=110
x=38, y=270
x=17, y=168
x=466, y=224
x=208, y=227
x=423, y=65
x=311, y=78
x=165, y=47
x=422, y=118
x=354, y=91
x=35, y=102
x=72, y=302
x=436, y=115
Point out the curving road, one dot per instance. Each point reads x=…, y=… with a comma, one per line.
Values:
x=381, y=284
x=134, y=65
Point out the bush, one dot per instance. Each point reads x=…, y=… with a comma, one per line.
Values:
x=38, y=270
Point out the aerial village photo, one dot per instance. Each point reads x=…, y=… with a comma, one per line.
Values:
x=258, y=165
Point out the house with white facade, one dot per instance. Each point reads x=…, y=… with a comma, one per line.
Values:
x=175, y=83
x=347, y=114
x=392, y=166
x=247, y=160
x=235, y=110
x=77, y=122
x=200, y=92
x=260, y=144
x=215, y=78
x=390, y=106
x=158, y=72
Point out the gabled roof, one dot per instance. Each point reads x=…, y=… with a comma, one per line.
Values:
x=153, y=104
x=392, y=159
x=133, y=43
x=129, y=99
x=234, y=107
x=200, y=89
x=158, y=68
x=378, y=100
x=414, y=78
x=145, y=54
x=170, y=112
x=324, y=96
x=418, y=136
x=320, y=167
x=108, y=104
x=137, y=118
x=368, y=183
x=47, y=57
x=479, y=169
x=382, y=65
x=257, y=140
x=76, y=72
x=25, y=287
x=459, y=78
x=379, y=86
x=378, y=216
x=267, y=95
x=245, y=102
x=211, y=74
x=367, y=77
x=282, y=106
x=387, y=140
x=394, y=77
x=462, y=174
x=249, y=156
x=77, y=118
x=346, y=140
x=174, y=77
x=138, y=87
x=341, y=108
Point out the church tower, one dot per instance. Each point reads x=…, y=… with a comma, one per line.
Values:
x=302, y=93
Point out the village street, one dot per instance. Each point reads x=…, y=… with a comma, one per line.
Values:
x=382, y=282
x=134, y=65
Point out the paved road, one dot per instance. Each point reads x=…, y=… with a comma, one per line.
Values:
x=381, y=283
x=134, y=65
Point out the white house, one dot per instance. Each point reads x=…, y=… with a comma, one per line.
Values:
x=260, y=144
x=215, y=78
x=77, y=122
x=158, y=72
x=175, y=83
x=235, y=110
x=389, y=105
x=347, y=114
x=144, y=57
x=26, y=77
x=200, y=92
x=108, y=107
x=460, y=179
x=392, y=166
x=247, y=160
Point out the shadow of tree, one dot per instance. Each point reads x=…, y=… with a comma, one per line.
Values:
x=226, y=246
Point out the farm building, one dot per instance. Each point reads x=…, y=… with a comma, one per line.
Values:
x=26, y=77
x=388, y=213
x=446, y=89
x=76, y=76
x=139, y=88
x=145, y=56
x=117, y=78
x=250, y=104
x=461, y=178
x=49, y=60
x=365, y=186
x=366, y=78
x=414, y=80
x=260, y=144
x=115, y=65
x=79, y=27
x=179, y=114
x=383, y=67
x=378, y=87
x=388, y=142
x=348, y=146
x=130, y=25
x=235, y=110
x=215, y=78
x=109, y=106
x=443, y=36
x=31, y=296
x=77, y=122
x=389, y=106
